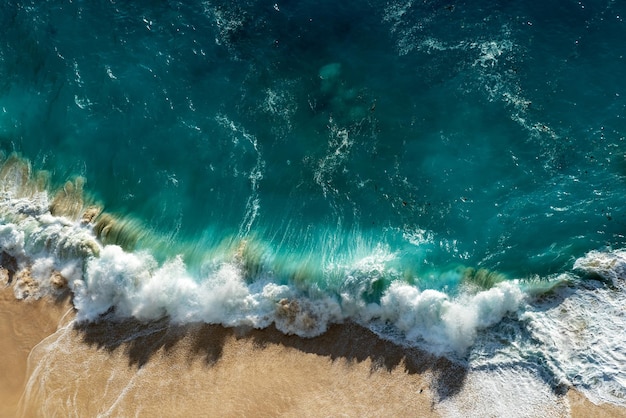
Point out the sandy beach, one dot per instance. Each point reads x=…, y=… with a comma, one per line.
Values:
x=128, y=368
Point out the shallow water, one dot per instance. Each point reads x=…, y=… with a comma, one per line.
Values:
x=450, y=175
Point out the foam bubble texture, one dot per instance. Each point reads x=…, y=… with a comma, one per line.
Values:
x=578, y=343
x=109, y=279
x=583, y=334
x=444, y=323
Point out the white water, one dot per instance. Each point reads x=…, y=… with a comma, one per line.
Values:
x=577, y=330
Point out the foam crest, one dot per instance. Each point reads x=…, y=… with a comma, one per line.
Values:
x=245, y=283
x=610, y=266
x=12, y=240
x=105, y=279
x=239, y=290
x=110, y=281
x=62, y=220
x=581, y=340
x=54, y=244
x=42, y=257
x=133, y=284
x=581, y=334
x=447, y=324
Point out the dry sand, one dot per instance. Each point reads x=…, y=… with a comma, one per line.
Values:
x=129, y=368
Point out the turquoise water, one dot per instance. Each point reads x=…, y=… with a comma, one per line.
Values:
x=370, y=155
x=482, y=127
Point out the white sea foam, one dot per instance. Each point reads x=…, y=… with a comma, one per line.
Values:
x=281, y=104
x=255, y=174
x=133, y=284
x=339, y=147
x=227, y=21
x=570, y=337
x=582, y=339
x=582, y=335
x=608, y=265
x=107, y=278
x=443, y=323
x=577, y=331
x=12, y=240
x=513, y=393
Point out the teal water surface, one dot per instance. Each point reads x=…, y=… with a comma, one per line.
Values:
x=495, y=131
x=373, y=155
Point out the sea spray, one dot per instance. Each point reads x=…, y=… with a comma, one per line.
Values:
x=46, y=254
x=234, y=290
x=447, y=324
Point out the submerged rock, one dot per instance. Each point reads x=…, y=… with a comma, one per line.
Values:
x=25, y=285
x=68, y=201
x=57, y=281
x=330, y=71
x=296, y=318
x=90, y=214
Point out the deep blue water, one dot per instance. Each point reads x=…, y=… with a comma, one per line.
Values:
x=433, y=136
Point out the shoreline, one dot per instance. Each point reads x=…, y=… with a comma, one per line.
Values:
x=131, y=367
x=23, y=325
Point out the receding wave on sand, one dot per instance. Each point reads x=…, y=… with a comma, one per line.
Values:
x=129, y=368
x=60, y=361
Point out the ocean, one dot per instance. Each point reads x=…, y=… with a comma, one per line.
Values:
x=447, y=175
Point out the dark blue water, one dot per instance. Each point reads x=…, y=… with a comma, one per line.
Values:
x=340, y=149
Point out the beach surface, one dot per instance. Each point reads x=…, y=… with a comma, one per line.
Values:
x=112, y=368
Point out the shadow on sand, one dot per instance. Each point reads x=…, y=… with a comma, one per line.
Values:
x=350, y=342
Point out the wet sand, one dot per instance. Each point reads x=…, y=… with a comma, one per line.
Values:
x=23, y=325
x=582, y=407
x=129, y=368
